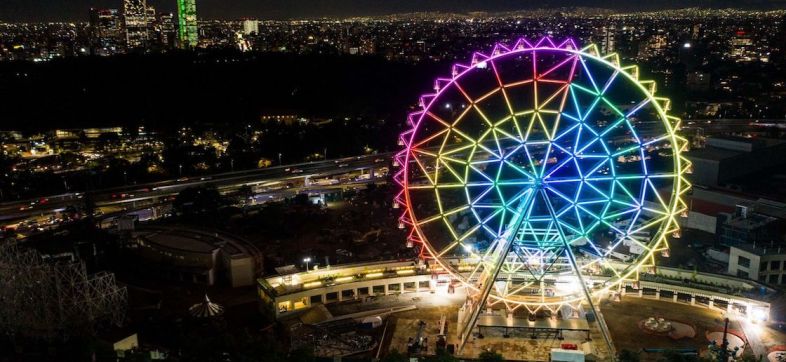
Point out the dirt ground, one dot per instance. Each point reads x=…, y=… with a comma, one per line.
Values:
x=518, y=346
x=623, y=317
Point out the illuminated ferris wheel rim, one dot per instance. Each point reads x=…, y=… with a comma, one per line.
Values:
x=568, y=47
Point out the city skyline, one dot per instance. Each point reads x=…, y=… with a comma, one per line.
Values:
x=52, y=10
x=185, y=180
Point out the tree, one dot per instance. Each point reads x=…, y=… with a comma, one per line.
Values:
x=491, y=356
x=626, y=355
x=674, y=356
x=442, y=356
x=301, y=355
x=395, y=356
x=198, y=201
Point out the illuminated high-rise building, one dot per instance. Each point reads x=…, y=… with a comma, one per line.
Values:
x=150, y=20
x=187, y=23
x=164, y=30
x=250, y=27
x=742, y=47
x=606, y=39
x=106, y=32
x=136, y=23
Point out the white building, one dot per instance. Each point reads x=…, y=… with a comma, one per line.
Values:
x=250, y=26
x=763, y=263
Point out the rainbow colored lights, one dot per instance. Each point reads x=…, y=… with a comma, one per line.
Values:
x=558, y=149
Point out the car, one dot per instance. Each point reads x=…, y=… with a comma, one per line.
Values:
x=297, y=170
x=343, y=165
x=379, y=160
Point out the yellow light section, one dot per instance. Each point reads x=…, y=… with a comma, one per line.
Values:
x=664, y=225
x=344, y=279
x=312, y=284
x=374, y=275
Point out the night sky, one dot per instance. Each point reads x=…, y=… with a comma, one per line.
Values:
x=77, y=10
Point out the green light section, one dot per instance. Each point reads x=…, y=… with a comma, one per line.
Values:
x=187, y=23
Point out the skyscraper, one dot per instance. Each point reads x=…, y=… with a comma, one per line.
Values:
x=607, y=39
x=150, y=20
x=106, y=32
x=136, y=24
x=187, y=23
x=250, y=27
x=164, y=30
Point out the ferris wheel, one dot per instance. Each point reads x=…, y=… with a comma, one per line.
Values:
x=542, y=174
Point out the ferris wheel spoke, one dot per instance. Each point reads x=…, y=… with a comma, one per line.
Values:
x=570, y=200
x=519, y=169
x=584, y=113
x=572, y=60
x=574, y=264
x=427, y=141
x=589, y=74
x=501, y=86
x=632, y=176
x=649, y=225
x=624, y=235
x=447, y=185
x=451, y=171
x=561, y=91
x=441, y=215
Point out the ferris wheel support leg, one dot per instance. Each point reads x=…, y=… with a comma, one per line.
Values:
x=467, y=319
x=572, y=258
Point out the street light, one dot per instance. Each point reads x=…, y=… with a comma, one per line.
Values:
x=722, y=351
x=307, y=260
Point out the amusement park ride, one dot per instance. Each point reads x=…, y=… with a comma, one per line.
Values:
x=553, y=168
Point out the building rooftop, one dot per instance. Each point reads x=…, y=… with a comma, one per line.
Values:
x=197, y=241
x=173, y=239
x=286, y=282
x=708, y=207
x=761, y=250
x=750, y=222
x=711, y=154
x=725, y=147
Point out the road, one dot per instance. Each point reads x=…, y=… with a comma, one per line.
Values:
x=752, y=332
x=133, y=197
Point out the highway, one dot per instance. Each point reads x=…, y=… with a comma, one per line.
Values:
x=132, y=197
